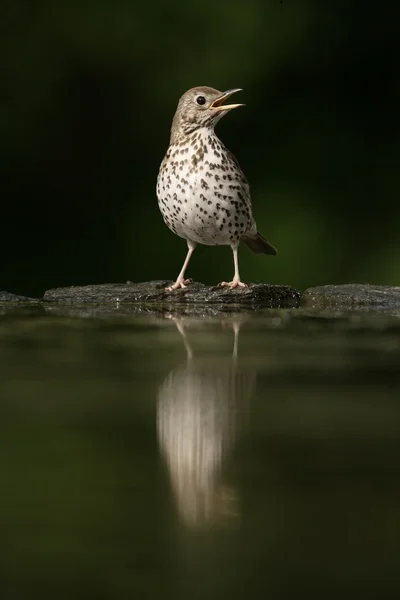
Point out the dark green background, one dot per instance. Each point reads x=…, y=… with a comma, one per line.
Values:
x=90, y=91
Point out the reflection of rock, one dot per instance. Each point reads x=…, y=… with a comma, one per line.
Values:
x=200, y=405
x=352, y=295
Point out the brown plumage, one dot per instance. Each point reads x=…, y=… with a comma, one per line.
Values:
x=258, y=244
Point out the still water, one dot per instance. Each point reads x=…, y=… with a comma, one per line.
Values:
x=169, y=456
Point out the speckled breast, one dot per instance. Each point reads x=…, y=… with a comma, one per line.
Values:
x=202, y=193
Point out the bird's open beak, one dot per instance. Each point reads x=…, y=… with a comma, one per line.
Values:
x=218, y=103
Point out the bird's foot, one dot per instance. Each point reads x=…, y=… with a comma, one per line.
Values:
x=232, y=284
x=179, y=283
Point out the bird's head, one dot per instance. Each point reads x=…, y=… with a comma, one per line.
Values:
x=200, y=107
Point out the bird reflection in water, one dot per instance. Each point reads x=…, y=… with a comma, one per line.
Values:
x=202, y=407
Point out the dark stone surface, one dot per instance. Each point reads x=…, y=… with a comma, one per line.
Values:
x=352, y=296
x=254, y=296
x=8, y=298
x=149, y=297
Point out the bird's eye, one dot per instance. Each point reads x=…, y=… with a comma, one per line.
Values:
x=200, y=100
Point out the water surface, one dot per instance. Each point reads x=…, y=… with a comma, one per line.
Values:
x=240, y=455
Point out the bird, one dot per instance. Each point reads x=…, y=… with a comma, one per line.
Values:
x=202, y=192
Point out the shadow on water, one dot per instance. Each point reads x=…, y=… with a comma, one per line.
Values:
x=161, y=455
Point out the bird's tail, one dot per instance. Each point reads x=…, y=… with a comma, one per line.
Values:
x=258, y=244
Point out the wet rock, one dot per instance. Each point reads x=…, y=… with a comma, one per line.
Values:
x=254, y=296
x=8, y=298
x=352, y=296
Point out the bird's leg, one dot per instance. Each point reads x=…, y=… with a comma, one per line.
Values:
x=181, y=282
x=236, y=278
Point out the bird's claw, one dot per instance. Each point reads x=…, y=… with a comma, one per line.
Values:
x=232, y=284
x=178, y=284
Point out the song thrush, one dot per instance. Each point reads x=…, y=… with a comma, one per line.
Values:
x=202, y=193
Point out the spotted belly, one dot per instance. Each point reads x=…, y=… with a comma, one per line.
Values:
x=205, y=208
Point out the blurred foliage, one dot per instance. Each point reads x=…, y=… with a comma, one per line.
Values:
x=90, y=91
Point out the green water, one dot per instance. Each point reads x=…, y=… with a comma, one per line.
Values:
x=240, y=456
